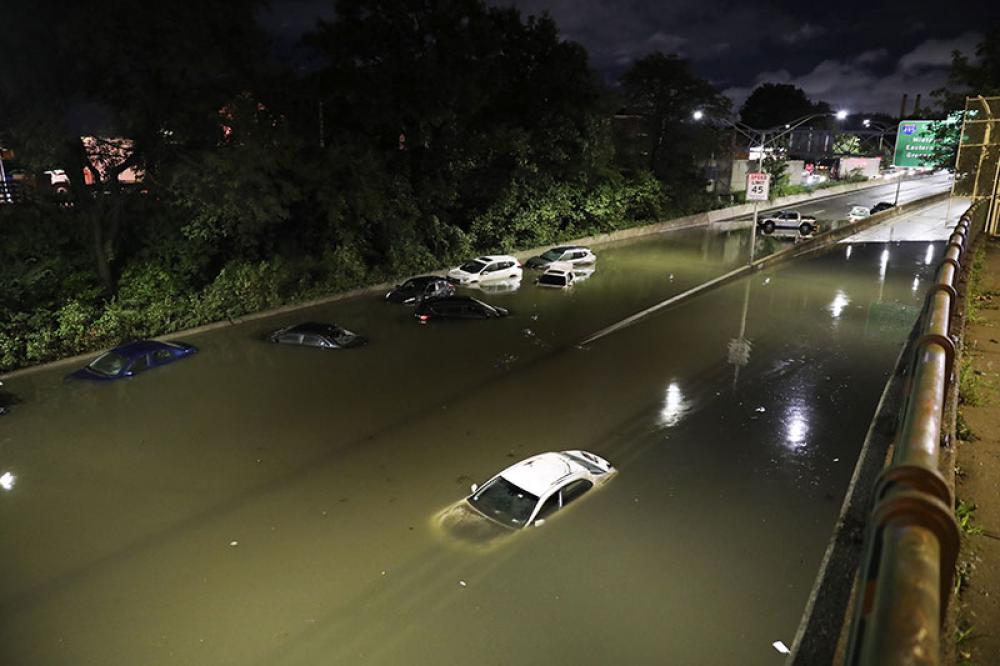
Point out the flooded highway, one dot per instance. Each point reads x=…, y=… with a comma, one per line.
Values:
x=266, y=504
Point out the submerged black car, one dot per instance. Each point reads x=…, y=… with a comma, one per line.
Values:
x=881, y=206
x=315, y=334
x=419, y=289
x=457, y=307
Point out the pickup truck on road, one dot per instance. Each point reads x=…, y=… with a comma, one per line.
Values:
x=788, y=219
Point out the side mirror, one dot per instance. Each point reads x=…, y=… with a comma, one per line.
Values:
x=474, y=487
x=539, y=522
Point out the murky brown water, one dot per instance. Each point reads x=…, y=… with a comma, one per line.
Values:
x=266, y=505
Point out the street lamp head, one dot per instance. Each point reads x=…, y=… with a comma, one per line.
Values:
x=842, y=114
x=698, y=114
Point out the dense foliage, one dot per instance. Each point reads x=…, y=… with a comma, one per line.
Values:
x=422, y=133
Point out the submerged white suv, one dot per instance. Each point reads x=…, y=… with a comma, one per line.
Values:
x=487, y=268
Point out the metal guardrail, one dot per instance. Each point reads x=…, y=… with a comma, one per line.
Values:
x=905, y=579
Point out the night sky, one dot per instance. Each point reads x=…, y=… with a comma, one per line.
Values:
x=857, y=55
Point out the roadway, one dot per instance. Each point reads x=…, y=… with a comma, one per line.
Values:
x=258, y=504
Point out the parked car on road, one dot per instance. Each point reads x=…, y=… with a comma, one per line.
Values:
x=316, y=334
x=132, y=358
x=881, y=206
x=457, y=307
x=557, y=276
x=420, y=288
x=486, y=268
x=788, y=219
x=526, y=493
x=572, y=254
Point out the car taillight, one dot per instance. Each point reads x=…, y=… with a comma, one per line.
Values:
x=423, y=317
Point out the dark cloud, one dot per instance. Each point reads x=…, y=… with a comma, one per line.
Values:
x=850, y=53
x=853, y=53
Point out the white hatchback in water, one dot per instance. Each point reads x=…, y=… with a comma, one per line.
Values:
x=487, y=268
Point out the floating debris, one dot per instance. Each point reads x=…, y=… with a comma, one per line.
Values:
x=462, y=583
x=780, y=647
x=760, y=409
x=234, y=543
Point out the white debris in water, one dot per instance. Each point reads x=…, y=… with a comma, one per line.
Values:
x=383, y=572
x=462, y=583
x=7, y=480
x=767, y=280
x=760, y=409
x=534, y=317
x=836, y=460
x=234, y=543
x=780, y=647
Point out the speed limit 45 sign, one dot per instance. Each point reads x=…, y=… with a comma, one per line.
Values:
x=758, y=186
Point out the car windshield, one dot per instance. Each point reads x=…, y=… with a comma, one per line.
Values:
x=504, y=502
x=410, y=285
x=552, y=255
x=473, y=266
x=557, y=280
x=109, y=364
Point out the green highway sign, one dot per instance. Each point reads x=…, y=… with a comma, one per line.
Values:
x=916, y=142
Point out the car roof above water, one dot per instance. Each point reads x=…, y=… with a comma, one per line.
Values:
x=540, y=473
x=140, y=347
x=314, y=327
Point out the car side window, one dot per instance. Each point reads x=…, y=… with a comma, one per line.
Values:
x=550, y=506
x=290, y=338
x=575, y=490
x=492, y=267
x=505, y=264
x=140, y=364
x=161, y=356
x=312, y=340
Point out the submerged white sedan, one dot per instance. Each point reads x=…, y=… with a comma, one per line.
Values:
x=526, y=493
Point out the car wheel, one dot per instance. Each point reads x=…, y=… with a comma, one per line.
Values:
x=768, y=227
x=805, y=229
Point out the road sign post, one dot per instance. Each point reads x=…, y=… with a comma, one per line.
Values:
x=758, y=189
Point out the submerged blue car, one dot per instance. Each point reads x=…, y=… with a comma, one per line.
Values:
x=132, y=358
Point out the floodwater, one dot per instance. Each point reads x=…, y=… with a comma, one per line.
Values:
x=266, y=505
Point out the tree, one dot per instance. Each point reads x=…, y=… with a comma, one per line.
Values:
x=847, y=144
x=153, y=74
x=460, y=99
x=663, y=90
x=980, y=76
x=775, y=104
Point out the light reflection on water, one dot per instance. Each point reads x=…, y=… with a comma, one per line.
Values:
x=327, y=470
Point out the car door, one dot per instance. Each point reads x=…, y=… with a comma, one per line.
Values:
x=549, y=506
x=490, y=272
x=506, y=269
x=161, y=357
x=140, y=364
